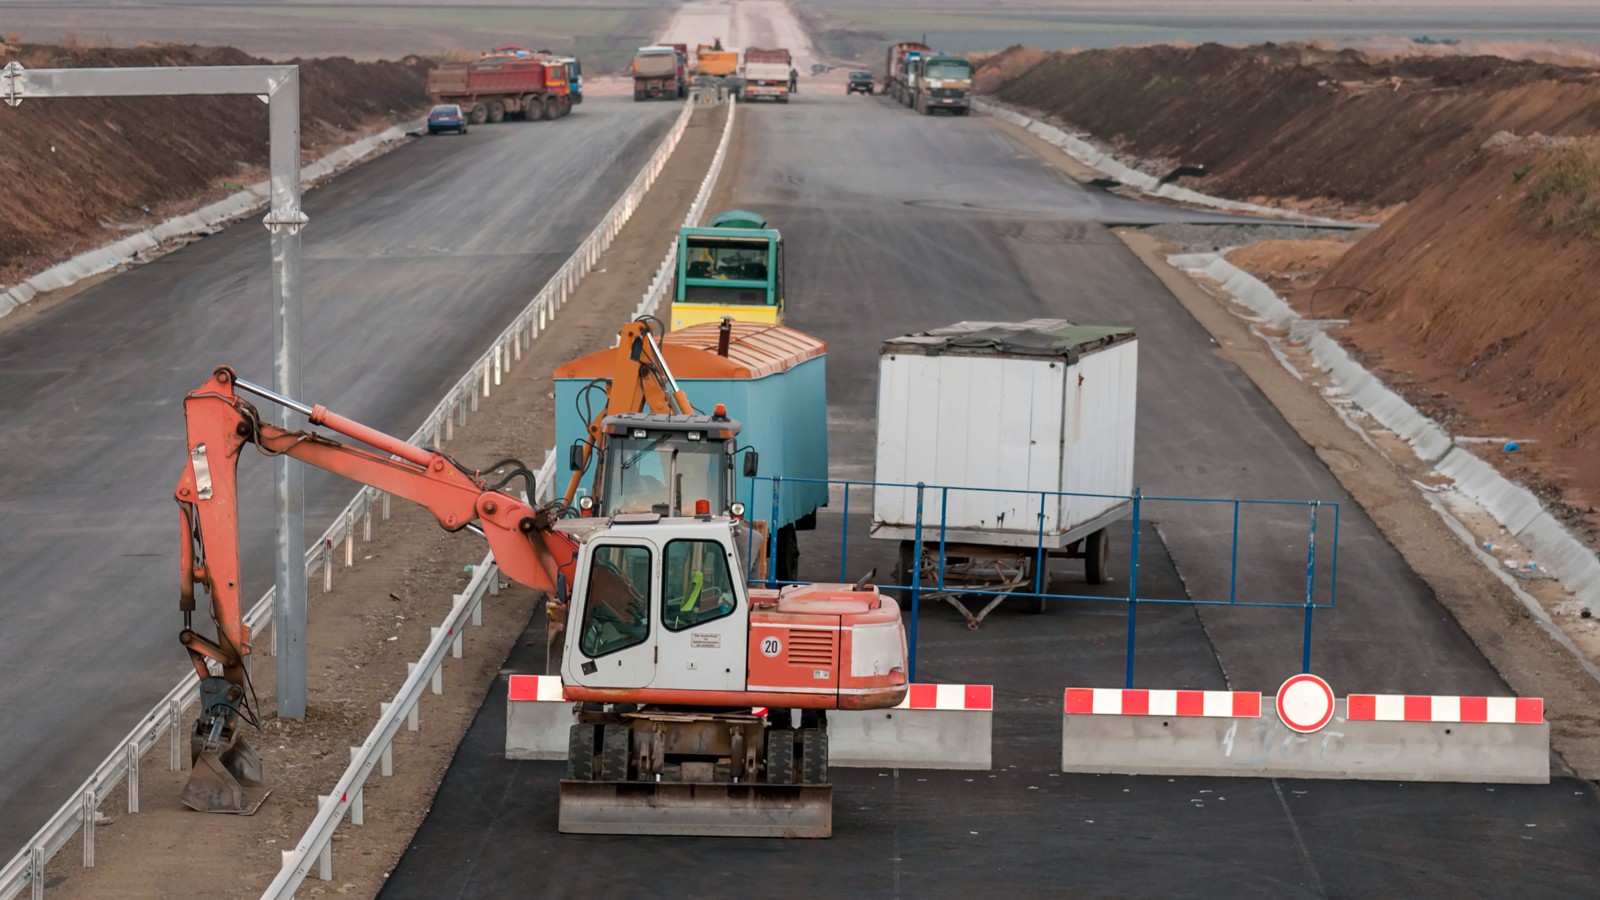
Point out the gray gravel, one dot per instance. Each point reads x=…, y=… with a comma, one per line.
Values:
x=1205, y=238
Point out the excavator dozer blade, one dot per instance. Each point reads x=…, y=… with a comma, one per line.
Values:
x=214, y=780
x=712, y=810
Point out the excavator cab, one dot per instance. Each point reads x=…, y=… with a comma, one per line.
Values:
x=667, y=465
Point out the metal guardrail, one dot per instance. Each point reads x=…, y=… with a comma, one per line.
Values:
x=377, y=751
x=663, y=280
x=26, y=868
x=316, y=843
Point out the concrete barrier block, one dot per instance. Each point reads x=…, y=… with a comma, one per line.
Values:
x=937, y=726
x=1449, y=739
x=538, y=718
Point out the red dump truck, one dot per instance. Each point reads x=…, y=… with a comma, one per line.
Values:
x=660, y=71
x=507, y=81
x=766, y=74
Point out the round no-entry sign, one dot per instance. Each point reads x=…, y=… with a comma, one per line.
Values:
x=1305, y=703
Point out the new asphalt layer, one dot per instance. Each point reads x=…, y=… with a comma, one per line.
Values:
x=895, y=223
x=412, y=263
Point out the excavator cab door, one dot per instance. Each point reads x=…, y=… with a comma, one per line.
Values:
x=612, y=631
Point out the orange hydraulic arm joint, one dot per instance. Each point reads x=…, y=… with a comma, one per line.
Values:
x=220, y=424
x=640, y=380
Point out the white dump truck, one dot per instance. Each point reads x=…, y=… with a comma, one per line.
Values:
x=1023, y=423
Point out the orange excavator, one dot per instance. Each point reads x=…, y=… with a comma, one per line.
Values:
x=667, y=653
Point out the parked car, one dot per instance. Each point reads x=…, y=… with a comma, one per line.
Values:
x=447, y=117
x=860, y=83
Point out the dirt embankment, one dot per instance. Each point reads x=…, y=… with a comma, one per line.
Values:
x=81, y=172
x=1482, y=311
x=1295, y=122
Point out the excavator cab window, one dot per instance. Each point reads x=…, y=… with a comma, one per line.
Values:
x=696, y=585
x=617, y=611
x=670, y=470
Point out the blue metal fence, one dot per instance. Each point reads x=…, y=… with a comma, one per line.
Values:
x=1318, y=593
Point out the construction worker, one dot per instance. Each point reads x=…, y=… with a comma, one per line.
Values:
x=794, y=81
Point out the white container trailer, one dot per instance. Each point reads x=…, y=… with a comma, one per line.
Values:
x=1024, y=412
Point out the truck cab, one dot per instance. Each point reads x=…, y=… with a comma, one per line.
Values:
x=942, y=81
x=733, y=268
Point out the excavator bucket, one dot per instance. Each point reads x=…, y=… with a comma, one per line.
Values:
x=215, y=779
x=701, y=809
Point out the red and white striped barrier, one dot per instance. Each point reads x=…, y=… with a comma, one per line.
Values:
x=535, y=688
x=538, y=718
x=1425, y=708
x=1306, y=733
x=1130, y=702
x=949, y=696
x=937, y=726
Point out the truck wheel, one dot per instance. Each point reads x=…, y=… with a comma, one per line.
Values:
x=551, y=108
x=614, y=753
x=479, y=114
x=497, y=112
x=638, y=95
x=780, y=756
x=813, y=756
x=788, y=568
x=1097, y=557
x=534, y=111
x=580, y=753
x=566, y=106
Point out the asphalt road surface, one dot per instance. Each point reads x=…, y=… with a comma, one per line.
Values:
x=895, y=223
x=412, y=264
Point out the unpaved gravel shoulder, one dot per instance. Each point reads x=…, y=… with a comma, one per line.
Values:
x=375, y=621
x=1530, y=661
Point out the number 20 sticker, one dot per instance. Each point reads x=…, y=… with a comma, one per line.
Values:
x=771, y=647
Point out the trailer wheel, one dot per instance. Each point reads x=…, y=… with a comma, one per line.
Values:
x=780, y=756
x=813, y=756
x=497, y=112
x=906, y=569
x=614, y=753
x=580, y=752
x=1038, y=583
x=788, y=563
x=1097, y=557
x=479, y=114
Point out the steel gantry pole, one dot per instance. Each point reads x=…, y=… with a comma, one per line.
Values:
x=279, y=88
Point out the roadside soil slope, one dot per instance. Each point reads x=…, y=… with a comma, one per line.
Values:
x=82, y=172
x=1297, y=123
x=1481, y=311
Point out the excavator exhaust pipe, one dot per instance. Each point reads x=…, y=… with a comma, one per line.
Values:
x=217, y=778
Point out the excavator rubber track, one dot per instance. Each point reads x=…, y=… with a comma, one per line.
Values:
x=698, y=809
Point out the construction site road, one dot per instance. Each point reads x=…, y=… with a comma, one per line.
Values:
x=894, y=223
x=408, y=274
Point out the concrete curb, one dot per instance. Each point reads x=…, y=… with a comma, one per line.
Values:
x=1097, y=159
x=945, y=726
x=1262, y=746
x=1516, y=508
x=145, y=245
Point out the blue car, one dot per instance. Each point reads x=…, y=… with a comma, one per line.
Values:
x=446, y=117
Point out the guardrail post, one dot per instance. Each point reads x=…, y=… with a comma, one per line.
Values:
x=496, y=371
x=327, y=567
x=366, y=522
x=325, y=858
x=175, y=723
x=36, y=872
x=132, y=751
x=88, y=828
x=385, y=498
x=358, y=811
x=350, y=540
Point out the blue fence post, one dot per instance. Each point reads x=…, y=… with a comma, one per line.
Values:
x=772, y=536
x=1311, y=585
x=916, y=589
x=1133, y=585
x=844, y=533
x=944, y=520
x=1233, y=565
x=1041, y=580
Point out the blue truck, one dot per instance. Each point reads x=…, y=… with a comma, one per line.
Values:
x=770, y=379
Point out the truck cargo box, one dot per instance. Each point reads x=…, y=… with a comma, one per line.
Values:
x=773, y=381
x=779, y=56
x=661, y=62
x=1037, y=406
